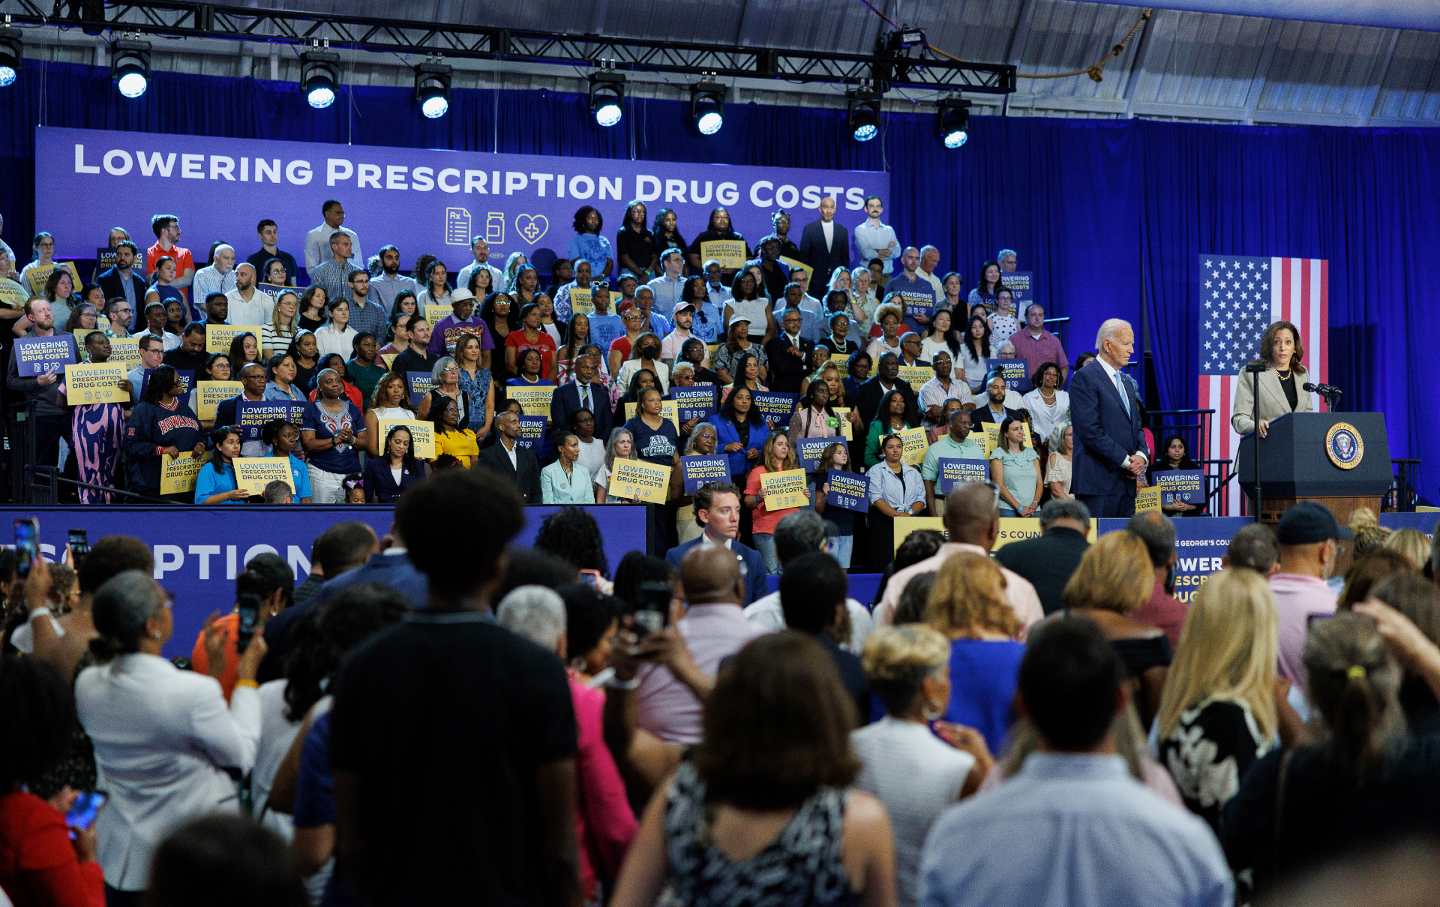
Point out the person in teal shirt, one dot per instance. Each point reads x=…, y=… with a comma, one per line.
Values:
x=216, y=482
x=1015, y=470
x=565, y=481
x=283, y=437
x=957, y=444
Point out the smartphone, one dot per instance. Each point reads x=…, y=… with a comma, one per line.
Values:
x=83, y=813
x=248, y=607
x=79, y=541
x=27, y=545
x=652, y=611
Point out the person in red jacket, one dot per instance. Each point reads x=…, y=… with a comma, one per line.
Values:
x=39, y=865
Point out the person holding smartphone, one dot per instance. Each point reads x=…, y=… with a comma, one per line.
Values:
x=41, y=861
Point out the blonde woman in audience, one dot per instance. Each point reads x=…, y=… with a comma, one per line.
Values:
x=914, y=772
x=1412, y=545
x=1057, y=467
x=863, y=302
x=620, y=446
x=276, y=335
x=1222, y=703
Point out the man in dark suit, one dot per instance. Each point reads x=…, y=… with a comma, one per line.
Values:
x=512, y=461
x=825, y=245
x=582, y=393
x=886, y=379
x=717, y=510
x=994, y=408
x=1051, y=558
x=113, y=280
x=788, y=354
x=1109, y=441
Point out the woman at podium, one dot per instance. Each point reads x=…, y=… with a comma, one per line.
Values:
x=1280, y=383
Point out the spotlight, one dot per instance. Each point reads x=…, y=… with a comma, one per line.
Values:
x=130, y=66
x=319, y=77
x=707, y=106
x=432, y=89
x=953, y=121
x=863, y=118
x=607, y=95
x=10, y=42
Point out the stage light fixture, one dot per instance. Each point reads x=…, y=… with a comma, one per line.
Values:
x=607, y=97
x=319, y=77
x=10, y=44
x=863, y=118
x=707, y=106
x=953, y=122
x=130, y=66
x=432, y=89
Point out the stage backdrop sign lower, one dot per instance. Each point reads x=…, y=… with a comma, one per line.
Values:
x=200, y=550
x=432, y=200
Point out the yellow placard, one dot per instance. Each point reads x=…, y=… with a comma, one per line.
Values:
x=793, y=263
x=389, y=360
x=422, y=436
x=252, y=474
x=729, y=252
x=992, y=437
x=904, y=525
x=433, y=313
x=916, y=443
x=1147, y=499
x=177, y=474
x=785, y=489
x=845, y=427
x=916, y=375
x=97, y=382
x=209, y=395
x=639, y=480
x=125, y=350
x=534, y=398
x=842, y=362
x=581, y=301
x=668, y=409
x=710, y=349
x=218, y=336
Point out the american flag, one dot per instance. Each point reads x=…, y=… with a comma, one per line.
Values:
x=1240, y=297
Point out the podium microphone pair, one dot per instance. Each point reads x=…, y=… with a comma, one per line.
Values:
x=1324, y=390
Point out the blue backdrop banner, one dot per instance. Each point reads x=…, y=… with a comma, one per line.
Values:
x=200, y=550
x=431, y=199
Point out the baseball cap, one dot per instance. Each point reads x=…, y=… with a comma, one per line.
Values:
x=684, y=307
x=737, y=319
x=460, y=294
x=1307, y=523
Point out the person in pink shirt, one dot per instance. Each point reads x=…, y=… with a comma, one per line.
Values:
x=1036, y=345
x=1309, y=538
x=972, y=523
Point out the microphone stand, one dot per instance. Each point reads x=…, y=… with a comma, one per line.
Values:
x=1255, y=368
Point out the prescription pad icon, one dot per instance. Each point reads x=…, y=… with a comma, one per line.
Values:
x=457, y=227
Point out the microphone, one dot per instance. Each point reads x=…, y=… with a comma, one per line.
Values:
x=1324, y=390
x=1255, y=367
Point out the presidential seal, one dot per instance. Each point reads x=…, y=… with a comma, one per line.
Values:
x=1344, y=446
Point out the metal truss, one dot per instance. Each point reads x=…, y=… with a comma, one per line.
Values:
x=916, y=68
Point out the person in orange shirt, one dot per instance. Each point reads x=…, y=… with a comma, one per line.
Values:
x=167, y=234
x=267, y=577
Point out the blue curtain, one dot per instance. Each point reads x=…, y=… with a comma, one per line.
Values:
x=1109, y=214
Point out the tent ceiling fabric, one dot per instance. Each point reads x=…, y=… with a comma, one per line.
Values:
x=1182, y=65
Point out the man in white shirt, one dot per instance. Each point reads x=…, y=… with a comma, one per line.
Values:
x=972, y=521
x=481, y=250
x=684, y=317
x=155, y=326
x=219, y=275
x=670, y=284
x=929, y=261
x=801, y=533
x=874, y=238
x=317, y=241
x=248, y=305
x=715, y=284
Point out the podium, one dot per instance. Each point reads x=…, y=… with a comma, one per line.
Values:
x=1340, y=460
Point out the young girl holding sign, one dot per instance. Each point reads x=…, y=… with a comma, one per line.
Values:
x=776, y=456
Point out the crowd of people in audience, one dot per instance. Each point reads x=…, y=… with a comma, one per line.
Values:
x=1042, y=721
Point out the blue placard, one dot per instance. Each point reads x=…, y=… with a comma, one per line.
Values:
x=697, y=471
x=1022, y=285
x=186, y=377
x=957, y=471
x=694, y=402
x=251, y=415
x=43, y=355
x=917, y=304
x=1184, y=485
x=776, y=407
x=532, y=433
x=418, y=384
x=848, y=491
x=809, y=450
x=1015, y=372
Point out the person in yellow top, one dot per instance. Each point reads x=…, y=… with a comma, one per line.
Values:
x=450, y=437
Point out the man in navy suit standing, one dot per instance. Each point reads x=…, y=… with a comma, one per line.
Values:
x=717, y=510
x=1105, y=413
x=825, y=245
x=582, y=393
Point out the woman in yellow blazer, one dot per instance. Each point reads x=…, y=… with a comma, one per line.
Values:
x=1281, y=390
